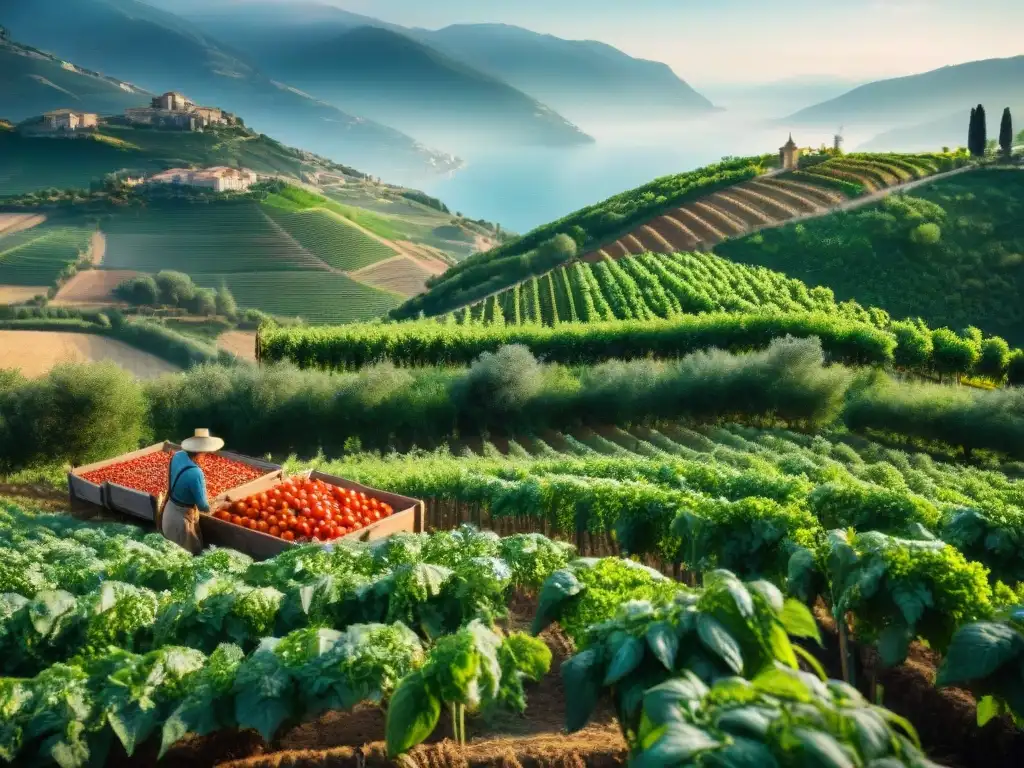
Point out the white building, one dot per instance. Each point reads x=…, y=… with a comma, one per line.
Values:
x=69, y=120
x=219, y=179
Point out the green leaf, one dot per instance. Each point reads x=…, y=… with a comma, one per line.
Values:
x=782, y=649
x=560, y=587
x=49, y=608
x=747, y=721
x=784, y=684
x=988, y=708
x=133, y=725
x=872, y=733
x=771, y=593
x=661, y=703
x=802, y=574
x=582, y=677
x=740, y=753
x=678, y=744
x=912, y=602
x=821, y=750
x=978, y=650
x=626, y=659
x=717, y=639
x=798, y=620
x=810, y=661
x=664, y=643
x=413, y=713
x=893, y=644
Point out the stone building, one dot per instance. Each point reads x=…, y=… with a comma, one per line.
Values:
x=69, y=120
x=219, y=179
x=176, y=111
x=789, y=155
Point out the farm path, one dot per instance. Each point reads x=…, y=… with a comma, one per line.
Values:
x=97, y=247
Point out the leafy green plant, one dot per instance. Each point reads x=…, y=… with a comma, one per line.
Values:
x=471, y=670
x=729, y=628
x=781, y=717
x=987, y=657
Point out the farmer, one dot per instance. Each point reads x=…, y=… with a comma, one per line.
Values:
x=186, y=492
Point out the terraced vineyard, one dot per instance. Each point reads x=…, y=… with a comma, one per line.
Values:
x=331, y=238
x=768, y=201
x=202, y=239
x=644, y=286
x=36, y=256
x=315, y=296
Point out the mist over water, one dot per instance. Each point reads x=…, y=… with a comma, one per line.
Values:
x=524, y=188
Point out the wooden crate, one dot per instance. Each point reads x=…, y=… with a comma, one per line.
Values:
x=408, y=516
x=130, y=501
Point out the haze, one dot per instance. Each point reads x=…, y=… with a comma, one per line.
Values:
x=729, y=42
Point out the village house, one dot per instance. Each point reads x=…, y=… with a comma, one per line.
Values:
x=69, y=120
x=219, y=179
x=177, y=111
x=789, y=155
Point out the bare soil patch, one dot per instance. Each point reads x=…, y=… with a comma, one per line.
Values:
x=239, y=343
x=97, y=247
x=36, y=352
x=93, y=286
x=18, y=294
x=402, y=274
x=424, y=255
x=16, y=222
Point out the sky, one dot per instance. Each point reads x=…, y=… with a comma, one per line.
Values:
x=753, y=41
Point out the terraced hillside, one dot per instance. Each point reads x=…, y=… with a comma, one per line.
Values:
x=243, y=246
x=769, y=201
x=36, y=256
x=331, y=238
x=645, y=286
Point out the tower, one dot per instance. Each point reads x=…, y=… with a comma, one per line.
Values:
x=789, y=155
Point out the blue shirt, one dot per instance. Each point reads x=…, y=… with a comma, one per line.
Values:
x=190, y=488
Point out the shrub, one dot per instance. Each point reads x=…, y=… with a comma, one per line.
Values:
x=926, y=234
x=176, y=288
x=1015, y=368
x=138, y=291
x=77, y=413
x=225, y=303
x=913, y=346
x=953, y=354
x=204, y=302
x=994, y=359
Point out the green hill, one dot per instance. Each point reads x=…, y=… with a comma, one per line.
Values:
x=36, y=82
x=951, y=252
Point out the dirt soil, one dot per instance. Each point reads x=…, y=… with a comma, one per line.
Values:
x=17, y=222
x=239, y=343
x=36, y=352
x=18, y=294
x=533, y=740
x=93, y=286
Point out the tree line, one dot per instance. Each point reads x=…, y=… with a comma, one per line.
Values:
x=977, y=133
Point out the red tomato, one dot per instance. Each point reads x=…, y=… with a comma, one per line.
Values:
x=262, y=526
x=274, y=530
x=236, y=520
x=288, y=536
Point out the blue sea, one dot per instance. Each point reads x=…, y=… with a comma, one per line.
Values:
x=523, y=188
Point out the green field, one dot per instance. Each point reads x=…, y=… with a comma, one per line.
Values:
x=198, y=239
x=330, y=238
x=950, y=252
x=317, y=297
x=37, y=256
x=647, y=286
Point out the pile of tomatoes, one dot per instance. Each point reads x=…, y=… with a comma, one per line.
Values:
x=301, y=509
x=148, y=473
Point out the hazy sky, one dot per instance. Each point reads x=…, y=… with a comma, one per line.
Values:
x=712, y=41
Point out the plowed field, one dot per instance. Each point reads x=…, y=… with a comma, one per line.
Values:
x=36, y=352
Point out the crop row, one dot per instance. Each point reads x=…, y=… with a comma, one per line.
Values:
x=37, y=256
x=330, y=238
x=853, y=341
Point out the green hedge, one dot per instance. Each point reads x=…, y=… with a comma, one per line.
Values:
x=429, y=343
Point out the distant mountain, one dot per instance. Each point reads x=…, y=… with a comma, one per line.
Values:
x=590, y=83
x=919, y=99
x=160, y=51
x=946, y=131
x=585, y=80
x=36, y=82
x=779, y=97
x=400, y=81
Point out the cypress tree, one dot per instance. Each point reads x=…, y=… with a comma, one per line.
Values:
x=982, y=137
x=972, y=131
x=1006, y=133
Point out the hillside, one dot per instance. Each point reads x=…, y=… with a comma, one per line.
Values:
x=160, y=52
x=30, y=164
x=949, y=130
x=951, y=252
x=399, y=81
x=917, y=99
x=36, y=82
x=689, y=211
x=588, y=81
x=591, y=83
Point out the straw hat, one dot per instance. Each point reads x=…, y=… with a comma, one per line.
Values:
x=202, y=442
